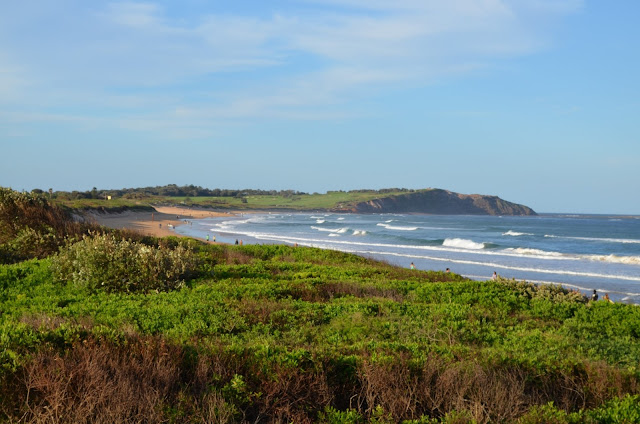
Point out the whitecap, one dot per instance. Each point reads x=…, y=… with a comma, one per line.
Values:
x=523, y=251
x=515, y=233
x=463, y=244
x=390, y=227
x=629, y=260
x=332, y=230
x=359, y=233
x=598, y=239
x=320, y=221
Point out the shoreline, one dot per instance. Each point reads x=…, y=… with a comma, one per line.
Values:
x=159, y=223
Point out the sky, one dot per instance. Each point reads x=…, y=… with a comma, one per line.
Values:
x=535, y=101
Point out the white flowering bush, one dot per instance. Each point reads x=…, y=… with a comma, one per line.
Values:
x=104, y=262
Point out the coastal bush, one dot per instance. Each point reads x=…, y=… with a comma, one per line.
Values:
x=31, y=227
x=290, y=334
x=105, y=262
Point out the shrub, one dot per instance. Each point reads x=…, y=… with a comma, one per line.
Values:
x=108, y=263
x=31, y=227
x=618, y=410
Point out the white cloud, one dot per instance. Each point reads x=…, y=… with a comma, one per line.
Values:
x=136, y=15
x=136, y=54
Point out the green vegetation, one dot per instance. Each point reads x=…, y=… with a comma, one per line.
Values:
x=330, y=200
x=195, y=196
x=287, y=334
x=104, y=261
x=31, y=227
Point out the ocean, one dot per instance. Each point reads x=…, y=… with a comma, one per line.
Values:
x=583, y=252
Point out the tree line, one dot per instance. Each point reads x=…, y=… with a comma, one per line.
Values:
x=173, y=190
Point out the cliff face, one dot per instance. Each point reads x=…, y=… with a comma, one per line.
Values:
x=442, y=202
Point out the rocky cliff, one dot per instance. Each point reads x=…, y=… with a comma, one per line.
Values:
x=441, y=202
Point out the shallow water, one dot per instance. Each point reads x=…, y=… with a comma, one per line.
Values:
x=577, y=251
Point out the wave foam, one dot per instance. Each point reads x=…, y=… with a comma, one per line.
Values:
x=515, y=234
x=463, y=244
x=600, y=239
x=359, y=233
x=628, y=260
x=523, y=251
x=331, y=230
x=511, y=267
x=391, y=227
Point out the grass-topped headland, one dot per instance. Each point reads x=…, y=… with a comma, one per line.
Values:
x=111, y=327
x=393, y=200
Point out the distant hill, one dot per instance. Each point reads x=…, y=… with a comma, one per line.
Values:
x=441, y=202
x=391, y=200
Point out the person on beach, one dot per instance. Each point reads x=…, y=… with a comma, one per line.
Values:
x=236, y=242
x=412, y=266
x=606, y=297
x=594, y=296
x=494, y=277
x=447, y=270
x=207, y=237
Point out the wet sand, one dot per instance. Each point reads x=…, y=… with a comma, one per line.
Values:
x=158, y=223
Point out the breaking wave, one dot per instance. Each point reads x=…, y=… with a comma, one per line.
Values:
x=628, y=260
x=515, y=234
x=391, y=227
x=533, y=252
x=463, y=244
x=598, y=239
x=332, y=230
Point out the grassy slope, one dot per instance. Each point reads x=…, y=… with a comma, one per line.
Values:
x=299, y=202
x=265, y=319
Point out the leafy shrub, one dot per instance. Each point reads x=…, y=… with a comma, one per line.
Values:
x=31, y=227
x=333, y=416
x=108, y=263
x=618, y=410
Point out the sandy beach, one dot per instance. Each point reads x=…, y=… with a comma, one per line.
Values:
x=159, y=223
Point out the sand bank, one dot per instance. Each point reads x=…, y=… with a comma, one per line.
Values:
x=158, y=223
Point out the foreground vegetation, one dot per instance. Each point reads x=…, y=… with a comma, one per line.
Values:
x=287, y=334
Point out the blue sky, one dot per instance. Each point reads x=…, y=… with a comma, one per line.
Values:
x=536, y=101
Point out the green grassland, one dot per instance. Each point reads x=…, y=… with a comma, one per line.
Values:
x=331, y=200
x=327, y=201
x=113, y=327
x=240, y=200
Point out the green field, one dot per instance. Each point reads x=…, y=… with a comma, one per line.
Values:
x=327, y=201
x=332, y=200
x=101, y=326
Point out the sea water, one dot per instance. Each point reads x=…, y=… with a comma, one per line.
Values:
x=578, y=251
